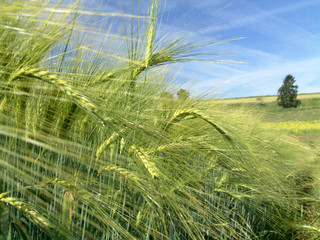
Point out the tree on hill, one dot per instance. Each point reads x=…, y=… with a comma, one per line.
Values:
x=287, y=93
x=183, y=94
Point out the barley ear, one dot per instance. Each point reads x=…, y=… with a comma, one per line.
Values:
x=122, y=171
x=108, y=141
x=149, y=165
x=151, y=32
x=188, y=114
x=79, y=98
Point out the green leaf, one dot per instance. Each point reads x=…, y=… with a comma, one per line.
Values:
x=2, y=237
x=67, y=209
x=22, y=234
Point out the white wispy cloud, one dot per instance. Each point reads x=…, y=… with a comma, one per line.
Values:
x=275, y=46
x=264, y=81
x=240, y=20
x=289, y=48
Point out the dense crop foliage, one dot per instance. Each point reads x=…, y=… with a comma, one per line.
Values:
x=93, y=146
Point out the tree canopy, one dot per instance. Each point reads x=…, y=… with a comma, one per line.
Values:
x=288, y=92
x=183, y=94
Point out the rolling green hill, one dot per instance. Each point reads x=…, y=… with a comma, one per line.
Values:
x=268, y=107
x=307, y=114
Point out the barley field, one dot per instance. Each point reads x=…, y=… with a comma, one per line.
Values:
x=94, y=145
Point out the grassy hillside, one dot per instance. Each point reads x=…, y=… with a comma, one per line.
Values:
x=268, y=98
x=271, y=112
x=302, y=122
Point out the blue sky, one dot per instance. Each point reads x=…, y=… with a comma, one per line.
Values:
x=280, y=37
